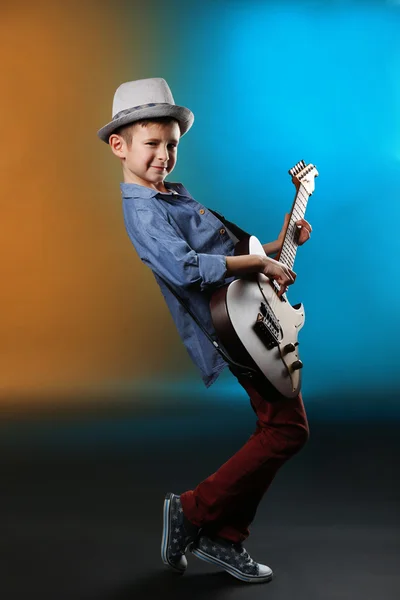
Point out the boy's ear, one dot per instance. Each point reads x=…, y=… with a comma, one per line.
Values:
x=116, y=144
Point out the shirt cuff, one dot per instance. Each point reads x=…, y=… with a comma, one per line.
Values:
x=212, y=269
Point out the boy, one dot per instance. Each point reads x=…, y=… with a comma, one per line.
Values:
x=187, y=245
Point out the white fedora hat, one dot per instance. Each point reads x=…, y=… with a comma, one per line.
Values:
x=144, y=99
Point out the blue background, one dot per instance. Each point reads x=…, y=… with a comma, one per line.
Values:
x=270, y=84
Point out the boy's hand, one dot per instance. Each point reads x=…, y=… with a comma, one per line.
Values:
x=303, y=232
x=279, y=272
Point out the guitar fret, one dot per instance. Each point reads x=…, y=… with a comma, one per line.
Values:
x=294, y=216
x=291, y=256
x=289, y=246
x=303, y=199
x=303, y=206
x=286, y=260
x=300, y=201
x=299, y=214
x=289, y=260
x=289, y=264
x=288, y=255
x=290, y=237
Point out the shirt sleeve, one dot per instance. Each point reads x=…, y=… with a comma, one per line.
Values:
x=161, y=248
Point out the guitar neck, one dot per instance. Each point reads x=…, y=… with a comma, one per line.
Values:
x=288, y=251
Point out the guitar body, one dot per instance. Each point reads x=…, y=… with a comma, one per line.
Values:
x=257, y=328
x=235, y=309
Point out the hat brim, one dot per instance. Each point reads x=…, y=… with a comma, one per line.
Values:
x=183, y=115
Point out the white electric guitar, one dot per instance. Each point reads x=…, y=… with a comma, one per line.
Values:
x=258, y=328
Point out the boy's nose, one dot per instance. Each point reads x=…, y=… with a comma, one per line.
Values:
x=162, y=154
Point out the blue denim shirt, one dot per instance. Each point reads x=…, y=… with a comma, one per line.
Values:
x=185, y=244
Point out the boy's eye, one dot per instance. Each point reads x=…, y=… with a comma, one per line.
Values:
x=155, y=144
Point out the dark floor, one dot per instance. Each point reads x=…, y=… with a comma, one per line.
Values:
x=81, y=509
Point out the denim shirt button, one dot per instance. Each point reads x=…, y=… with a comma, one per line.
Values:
x=222, y=231
x=202, y=211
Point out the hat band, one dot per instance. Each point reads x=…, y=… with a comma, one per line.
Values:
x=127, y=111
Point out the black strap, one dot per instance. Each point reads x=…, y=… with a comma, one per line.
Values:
x=237, y=231
x=236, y=367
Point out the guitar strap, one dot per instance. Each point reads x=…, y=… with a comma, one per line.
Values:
x=231, y=228
x=234, y=232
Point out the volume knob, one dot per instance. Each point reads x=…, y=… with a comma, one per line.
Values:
x=297, y=365
x=289, y=348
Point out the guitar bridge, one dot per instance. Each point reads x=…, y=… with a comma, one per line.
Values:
x=267, y=327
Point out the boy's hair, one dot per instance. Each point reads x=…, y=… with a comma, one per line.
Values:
x=126, y=131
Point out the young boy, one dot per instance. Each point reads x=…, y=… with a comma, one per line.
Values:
x=188, y=246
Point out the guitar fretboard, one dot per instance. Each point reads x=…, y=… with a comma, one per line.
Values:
x=289, y=247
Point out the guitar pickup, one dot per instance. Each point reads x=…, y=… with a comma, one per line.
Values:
x=267, y=328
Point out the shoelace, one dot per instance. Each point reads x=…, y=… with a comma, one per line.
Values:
x=246, y=556
x=243, y=553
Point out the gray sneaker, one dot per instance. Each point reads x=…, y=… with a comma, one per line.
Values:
x=231, y=557
x=178, y=533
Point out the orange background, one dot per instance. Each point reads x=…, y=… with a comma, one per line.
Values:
x=79, y=311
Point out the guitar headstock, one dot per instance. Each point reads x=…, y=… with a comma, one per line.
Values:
x=304, y=175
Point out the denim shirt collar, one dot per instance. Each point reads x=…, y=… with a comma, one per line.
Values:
x=134, y=190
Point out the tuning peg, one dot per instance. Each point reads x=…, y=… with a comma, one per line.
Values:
x=299, y=166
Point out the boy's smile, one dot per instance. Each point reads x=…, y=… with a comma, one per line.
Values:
x=152, y=155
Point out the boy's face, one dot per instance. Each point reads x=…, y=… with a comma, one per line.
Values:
x=152, y=154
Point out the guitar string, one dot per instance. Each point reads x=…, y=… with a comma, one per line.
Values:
x=288, y=251
x=289, y=247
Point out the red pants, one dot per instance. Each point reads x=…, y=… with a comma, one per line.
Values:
x=225, y=503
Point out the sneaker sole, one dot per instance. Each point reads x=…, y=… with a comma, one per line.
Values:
x=231, y=570
x=165, y=535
